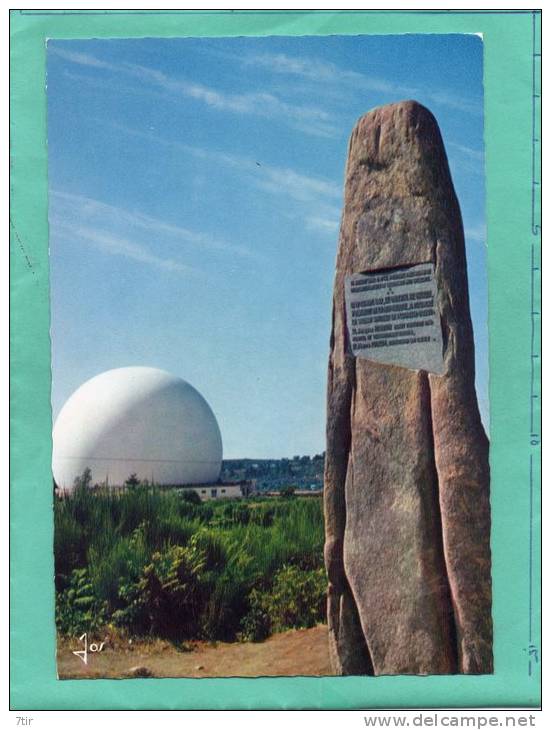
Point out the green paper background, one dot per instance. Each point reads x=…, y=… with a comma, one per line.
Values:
x=511, y=78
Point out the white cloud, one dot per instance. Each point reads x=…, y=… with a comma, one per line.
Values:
x=465, y=159
x=82, y=59
x=319, y=198
x=115, y=245
x=476, y=233
x=472, y=154
x=274, y=179
x=305, y=118
x=455, y=102
x=80, y=207
x=325, y=73
x=323, y=225
x=317, y=70
x=296, y=185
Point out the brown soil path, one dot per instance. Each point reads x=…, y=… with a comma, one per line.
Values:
x=298, y=652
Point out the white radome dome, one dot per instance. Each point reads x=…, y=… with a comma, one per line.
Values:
x=136, y=420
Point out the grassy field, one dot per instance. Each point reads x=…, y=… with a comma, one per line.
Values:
x=149, y=563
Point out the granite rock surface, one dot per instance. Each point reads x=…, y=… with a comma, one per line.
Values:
x=406, y=493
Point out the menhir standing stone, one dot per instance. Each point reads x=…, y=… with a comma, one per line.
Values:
x=406, y=492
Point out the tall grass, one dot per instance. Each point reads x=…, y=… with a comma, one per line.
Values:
x=115, y=536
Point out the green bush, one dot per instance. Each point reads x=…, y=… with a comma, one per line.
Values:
x=240, y=513
x=70, y=547
x=256, y=625
x=117, y=562
x=191, y=496
x=224, y=610
x=212, y=545
x=263, y=515
x=296, y=600
x=168, y=598
x=158, y=563
x=77, y=608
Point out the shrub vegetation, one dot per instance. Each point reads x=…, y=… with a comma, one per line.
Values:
x=161, y=563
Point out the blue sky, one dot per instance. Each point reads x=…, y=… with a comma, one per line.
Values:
x=195, y=196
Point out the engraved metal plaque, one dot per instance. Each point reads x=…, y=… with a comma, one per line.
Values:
x=392, y=317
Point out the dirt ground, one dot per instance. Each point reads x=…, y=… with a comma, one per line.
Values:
x=297, y=652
